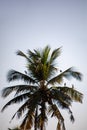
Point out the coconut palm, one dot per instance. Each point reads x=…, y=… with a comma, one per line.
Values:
x=44, y=91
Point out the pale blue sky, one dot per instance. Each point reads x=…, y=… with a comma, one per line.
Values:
x=30, y=24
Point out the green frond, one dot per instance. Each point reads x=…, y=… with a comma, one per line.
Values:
x=55, y=55
x=41, y=67
x=37, y=52
x=45, y=54
x=74, y=94
x=17, y=99
x=69, y=73
x=34, y=55
x=20, y=53
x=63, y=100
x=58, y=79
x=15, y=75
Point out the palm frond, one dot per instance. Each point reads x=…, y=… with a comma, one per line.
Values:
x=26, y=88
x=20, y=53
x=22, y=126
x=45, y=54
x=50, y=71
x=57, y=114
x=53, y=108
x=55, y=54
x=30, y=116
x=58, y=79
x=72, y=118
x=60, y=97
x=15, y=75
x=69, y=73
x=27, y=122
x=8, y=90
x=62, y=100
x=51, y=112
x=41, y=121
x=17, y=99
x=74, y=94
x=18, y=88
x=60, y=126
x=34, y=55
x=21, y=110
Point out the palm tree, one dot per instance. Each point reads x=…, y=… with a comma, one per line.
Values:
x=44, y=91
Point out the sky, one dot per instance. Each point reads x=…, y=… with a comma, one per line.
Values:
x=32, y=24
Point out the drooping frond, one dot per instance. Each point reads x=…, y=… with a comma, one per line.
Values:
x=69, y=73
x=22, y=126
x=55, y=112
x=63, y=100
x=30, y=116
x=15, y=75
x=26, y=88
x=8, y=90
x=74, y=94
x=60, y=126
x=17, y=99
x=21, y=110
x=18, y=88
x=42, y=119
x=28, y=120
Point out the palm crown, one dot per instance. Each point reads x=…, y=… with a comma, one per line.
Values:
x=43, y=92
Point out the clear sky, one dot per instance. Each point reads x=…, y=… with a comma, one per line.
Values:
x=30, y=24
